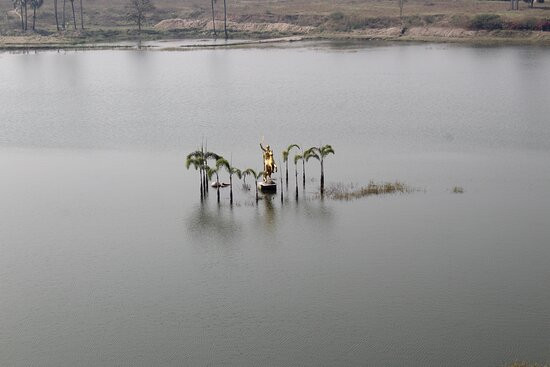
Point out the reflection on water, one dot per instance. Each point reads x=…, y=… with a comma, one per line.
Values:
x=269, y=215
x=206, y=221
x=225, y=222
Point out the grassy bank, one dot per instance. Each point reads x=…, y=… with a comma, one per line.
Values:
x=128, y=39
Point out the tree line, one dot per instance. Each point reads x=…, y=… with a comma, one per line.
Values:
x=137, y=12
x=23, y=5
x=224, y=18
x=209, y=164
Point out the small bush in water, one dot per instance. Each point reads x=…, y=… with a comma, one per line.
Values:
x=349, y=192
x=458, y=190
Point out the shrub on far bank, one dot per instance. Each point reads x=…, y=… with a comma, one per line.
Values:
x=528, y=24
x=460, y=20
x=337, y=16
x=522, y=24
x=413, y=21
x=491, y=22
x=544, y=25
x=342, y=22
x=487, y=22
x=526, y=364
x=339, y=21
x=431, y=18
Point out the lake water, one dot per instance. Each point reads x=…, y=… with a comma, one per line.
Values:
x=108, y=257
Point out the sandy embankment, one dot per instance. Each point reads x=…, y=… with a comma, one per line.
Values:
x=433, y=33
x=465, y=35
x=446, y=34
x=415, y=32
x=206, y=25
x=288, y=32
x=30, y=39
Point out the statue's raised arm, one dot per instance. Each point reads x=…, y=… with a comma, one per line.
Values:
x=262, y=147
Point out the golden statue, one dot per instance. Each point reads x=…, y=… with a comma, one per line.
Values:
x=269, y=163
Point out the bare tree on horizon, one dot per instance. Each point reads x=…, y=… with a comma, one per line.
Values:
x=225, y=19
x=138, y=10
x=74, y=16
x=64, y=25
x=55, y=11
x=81, y=16
x=35, y=4
x=213, y=18
x=19, y=4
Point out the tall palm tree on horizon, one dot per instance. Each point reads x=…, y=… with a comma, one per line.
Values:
x=211, y=171
x=246, y=172
x=286, y=153
x=301, y=157
x=197, y=157
x=256, y=176
x=203, y=155
x=297, y=157
x=282, y=190
x=232, y=171
x=209, y=156
x=319, y=153
x=197, y=163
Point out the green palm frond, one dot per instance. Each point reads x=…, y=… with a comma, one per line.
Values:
x=221, y=162
x=249, y=171
x=237, y=172
x=211, y=171
x=326, y=150
x=311, y=153
x=195, y=154
x=212, y=155
x=297, y=157
x=192, y=161
x=289, y=148
x=285, y=155
x=286, y=152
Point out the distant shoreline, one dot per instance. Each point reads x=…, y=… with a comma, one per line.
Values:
x=242, y=39
x=105, y=24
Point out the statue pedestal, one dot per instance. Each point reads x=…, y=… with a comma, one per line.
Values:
x=269, y=186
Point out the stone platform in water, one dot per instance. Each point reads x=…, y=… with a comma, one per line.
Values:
x=269, y=186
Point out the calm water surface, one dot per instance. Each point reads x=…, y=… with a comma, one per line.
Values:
x=108, y=257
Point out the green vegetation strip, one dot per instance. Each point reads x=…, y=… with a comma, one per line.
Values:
x=350, y=192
